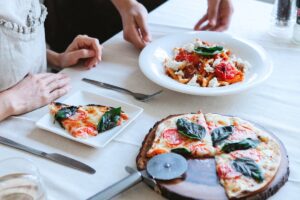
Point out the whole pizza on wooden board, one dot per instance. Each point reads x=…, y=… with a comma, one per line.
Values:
x=228, y=158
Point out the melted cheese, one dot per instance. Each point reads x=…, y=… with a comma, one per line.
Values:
x=198, y=148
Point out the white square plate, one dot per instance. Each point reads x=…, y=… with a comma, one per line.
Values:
x=84, y=98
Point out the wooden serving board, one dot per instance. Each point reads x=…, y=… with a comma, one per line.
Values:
x=201, y=181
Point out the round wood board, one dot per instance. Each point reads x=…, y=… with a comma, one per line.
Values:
x=201, y=181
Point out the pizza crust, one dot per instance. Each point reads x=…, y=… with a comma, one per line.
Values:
x=142, y=158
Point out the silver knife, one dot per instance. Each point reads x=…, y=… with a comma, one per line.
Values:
x=58, y=158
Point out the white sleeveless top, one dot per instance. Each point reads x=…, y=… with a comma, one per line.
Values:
x=22, y=40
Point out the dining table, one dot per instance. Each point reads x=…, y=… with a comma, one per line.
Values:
x=274, y=104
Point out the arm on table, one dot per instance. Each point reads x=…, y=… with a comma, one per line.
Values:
x=134, y=20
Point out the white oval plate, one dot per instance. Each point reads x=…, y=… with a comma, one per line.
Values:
x=152, y=57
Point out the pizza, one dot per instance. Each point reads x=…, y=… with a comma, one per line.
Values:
x=86, y=121
x=247, y=158
x=187, y=134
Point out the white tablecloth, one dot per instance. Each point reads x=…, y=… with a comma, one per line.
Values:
x=275, y=105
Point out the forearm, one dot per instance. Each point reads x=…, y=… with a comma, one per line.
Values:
x=53, y=58
x=6, y=105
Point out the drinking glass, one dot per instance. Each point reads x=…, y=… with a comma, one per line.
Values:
x=20, y=180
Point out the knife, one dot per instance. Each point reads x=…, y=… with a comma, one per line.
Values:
x=58, y=158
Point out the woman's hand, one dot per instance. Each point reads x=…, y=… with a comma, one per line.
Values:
x=33, y=92
x=82, y=48
x=134, y=20
x=218, y=16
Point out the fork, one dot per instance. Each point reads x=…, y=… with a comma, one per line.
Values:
x=138, y=96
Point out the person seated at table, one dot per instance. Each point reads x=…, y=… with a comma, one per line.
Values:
x=100, y=18
x=24, y=83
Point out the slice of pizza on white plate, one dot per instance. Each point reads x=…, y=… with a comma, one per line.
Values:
x=184, y=134
x=86, y=121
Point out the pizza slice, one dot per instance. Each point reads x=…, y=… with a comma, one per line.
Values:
x=232, y=133
x=185, y=134
x=86, y=121
x=246, y=172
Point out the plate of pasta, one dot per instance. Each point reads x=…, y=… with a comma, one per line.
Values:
x=205, y=63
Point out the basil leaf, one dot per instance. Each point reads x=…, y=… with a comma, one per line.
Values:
x=241, y=145
x=65, y=113
x=109, y=120
x=221, y=133
x=248, y=168
x=182, y=151
x=190, y=129
x=208, y=51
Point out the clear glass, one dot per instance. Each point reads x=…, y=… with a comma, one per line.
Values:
x=283, y=19
x=20, y=180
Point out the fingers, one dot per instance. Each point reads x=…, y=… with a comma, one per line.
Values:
x=50, y=77
x=83, y=47
x=220, y=28
x=92, y=43
x=217, y=17
x=200, y=22
x=58, y=83
x=72, y=58
x=212, y=12
x=142, y=25
x=224, y=18
x=132, y=35
x=58, y=93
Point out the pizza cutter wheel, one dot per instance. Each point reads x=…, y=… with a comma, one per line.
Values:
x=164, y=167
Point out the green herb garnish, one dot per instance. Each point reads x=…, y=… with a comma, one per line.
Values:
x=109, y=120
x=248, y=168
x=208, y=51
x=241, y=145
x=220, y=134
x=190, y=129
x=65, y=113
x=182, y=151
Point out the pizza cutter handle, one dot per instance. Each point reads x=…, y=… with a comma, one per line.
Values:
x=118, y=187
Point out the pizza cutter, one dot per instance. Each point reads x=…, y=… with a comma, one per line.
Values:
x=164, y=167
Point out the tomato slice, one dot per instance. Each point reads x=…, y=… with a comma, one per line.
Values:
x=225, y=171
x=172, y=136
x=84, y=132
x=225, y=71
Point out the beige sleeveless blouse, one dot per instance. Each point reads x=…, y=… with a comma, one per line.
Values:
x=22, y=40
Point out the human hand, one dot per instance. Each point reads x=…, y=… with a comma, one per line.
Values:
x=218, y=16
x=82, y=47
x=37, y=90
x=134, y=20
